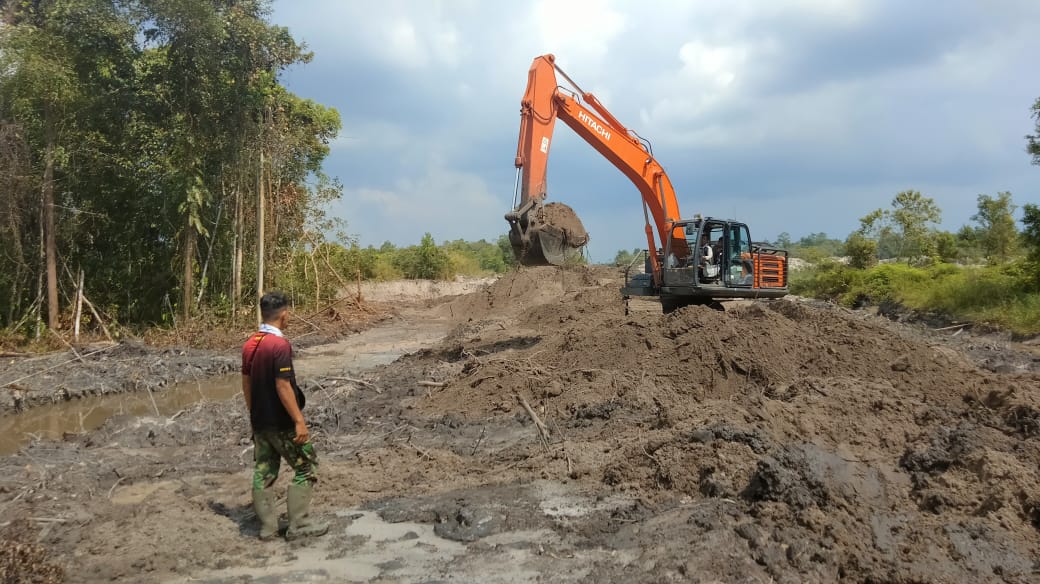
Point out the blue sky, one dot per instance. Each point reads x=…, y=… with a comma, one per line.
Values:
x=797, y=116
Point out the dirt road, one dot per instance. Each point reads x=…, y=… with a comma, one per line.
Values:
x=771, y=442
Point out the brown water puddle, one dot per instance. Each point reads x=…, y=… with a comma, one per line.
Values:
x=357, y=353
x=52, y=421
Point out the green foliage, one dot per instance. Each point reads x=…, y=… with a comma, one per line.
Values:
x=862, y=251
x=425, y=262
x=1033, y=148
x=157, y=112
x=829, y=280
x=478, y=257
x=996, y=231
x=1031, y=229
x=946, y=247
x=812, y=248
x=506, y=250
x=624, y=258
x=905, y=230
x=1000, y=295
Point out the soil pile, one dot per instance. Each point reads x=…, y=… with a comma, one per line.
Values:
x=811, y=442
x=519, y=290
x=564, y=218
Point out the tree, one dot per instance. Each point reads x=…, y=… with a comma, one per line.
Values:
x=423, y=262
x=41, y=87
x=130, y=136
x=1034, y=139
x=1031, y=229
x=862, y=251
x=506, y=249
x=624, y=258
x=904, y=231
x=996, y=232
x=912, y=212
x=783, y=240
x=946, y=247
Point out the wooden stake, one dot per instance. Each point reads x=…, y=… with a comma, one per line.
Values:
x=79, y=309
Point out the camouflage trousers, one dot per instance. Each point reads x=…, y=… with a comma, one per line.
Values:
x=270, y=447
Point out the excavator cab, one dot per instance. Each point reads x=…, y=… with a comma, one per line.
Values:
x=707, y=259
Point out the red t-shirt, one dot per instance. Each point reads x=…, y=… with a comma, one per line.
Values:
x=266, y=357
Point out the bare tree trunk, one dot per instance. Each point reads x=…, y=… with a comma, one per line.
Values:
x=190, y=235
x=236, y=260
x=209, y=252
x=260, y=237
x=50, y=245
x=79, y=308
x=39, y=282
x=317, y=279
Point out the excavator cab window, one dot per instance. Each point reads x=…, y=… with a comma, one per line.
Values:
x=708, y=251
x=739, y=264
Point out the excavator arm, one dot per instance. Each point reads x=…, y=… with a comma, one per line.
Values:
x=540, y=233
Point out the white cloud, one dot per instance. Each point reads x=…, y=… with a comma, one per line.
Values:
x=580, y=32
x=776, y=105
x=449, y=204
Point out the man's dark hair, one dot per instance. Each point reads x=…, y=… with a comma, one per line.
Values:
x=271, y=305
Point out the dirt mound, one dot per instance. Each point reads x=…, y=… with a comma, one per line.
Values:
x=846, y=449
x=524, y=288
x=562, y=435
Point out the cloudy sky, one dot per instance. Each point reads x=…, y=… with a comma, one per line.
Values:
x=791, y=115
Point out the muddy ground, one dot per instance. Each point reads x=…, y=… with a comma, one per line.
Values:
x=554, y=435
x=171, y=358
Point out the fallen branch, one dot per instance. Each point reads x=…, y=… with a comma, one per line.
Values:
x=483, y=432
x=357, y=382
x=328, y=306
x=351, y=379
x=953, y=326
x=543, y=430
x=94, y=311
x=316, y=327
x=67, y=344
x=112, y=490
x=431, y=384
x=23, y=378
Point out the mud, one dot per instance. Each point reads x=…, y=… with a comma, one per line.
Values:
x=781, y=441
x=100, y=370
x=562, y=217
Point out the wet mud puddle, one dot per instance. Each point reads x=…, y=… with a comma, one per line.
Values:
x=399, y=549
x=365, y=350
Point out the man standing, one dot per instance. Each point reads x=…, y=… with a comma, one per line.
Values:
x=275, y=402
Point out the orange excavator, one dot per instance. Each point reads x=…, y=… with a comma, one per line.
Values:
x=691, y=261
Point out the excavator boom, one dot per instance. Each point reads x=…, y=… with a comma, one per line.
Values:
x=540, y=237
x=727, y=264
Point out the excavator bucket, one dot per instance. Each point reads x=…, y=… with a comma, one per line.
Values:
x=547, y=235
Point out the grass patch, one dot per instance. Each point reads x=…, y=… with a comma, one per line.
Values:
x=1002, y=296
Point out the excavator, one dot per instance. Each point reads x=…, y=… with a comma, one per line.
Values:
x=688, y=261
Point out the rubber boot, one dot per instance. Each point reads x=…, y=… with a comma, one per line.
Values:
x=264, y=505
x=301, y=524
